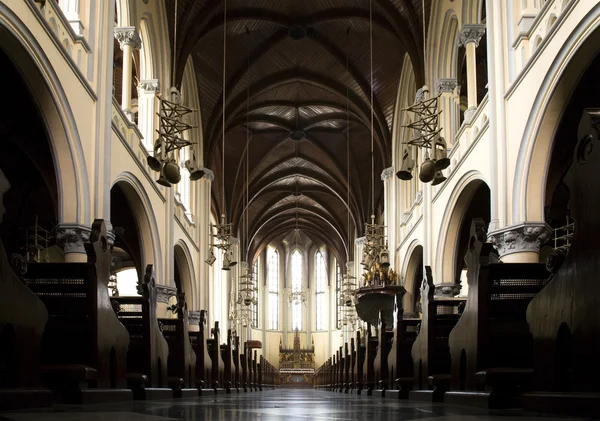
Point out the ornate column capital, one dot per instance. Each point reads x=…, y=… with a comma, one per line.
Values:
x=128, y=36
x=471, y=33
x=194, y=317
x=387, y=173
x=524, y=237
x=72, y=237
x=164, y=292
x=446, y=85
x=149, y=86
x=208, y=174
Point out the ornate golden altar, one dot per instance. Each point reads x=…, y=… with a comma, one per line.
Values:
x=296, y=365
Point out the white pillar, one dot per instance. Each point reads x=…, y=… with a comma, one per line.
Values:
x=203, y=221
x=446, y=87
x=147, y=90
x=70, y=9
x=470, y=37
x=128, y=41
x=389, y=192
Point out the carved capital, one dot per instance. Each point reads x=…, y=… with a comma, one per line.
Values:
x=360, y=241
x=525, y=237
x=446, y=85
x=194, y=317
x=128, y=36
x=471, y=33
x=164, y=292
x=208, y=174
x=447, y=289
x=72, y=237
x=387, y=173
x=150, y=86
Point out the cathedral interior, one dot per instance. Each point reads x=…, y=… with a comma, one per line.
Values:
x=340, y=209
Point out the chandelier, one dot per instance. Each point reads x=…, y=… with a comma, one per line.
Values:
x=170, y=133
x=427, y=134
x=222, y=233
x=297, y=296
x=246, y=290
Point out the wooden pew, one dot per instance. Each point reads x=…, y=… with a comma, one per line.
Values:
x=400, y=363
x=245, y=368
x=182, y=358
x=347, y=363
x=564, y=318
x=368, y=371
x=226, y=355
x=148, y=352
x=218, y=366
x=490, y=346
x=359, y=362
x=352, y=363
x=380, y=363
x=203, y=360
x=430, y=352
x=340, y=370
x=84, y=345
x=236, y=363
x=255, y=371
x=23, y=318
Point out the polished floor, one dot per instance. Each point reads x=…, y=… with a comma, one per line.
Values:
x=300, y=404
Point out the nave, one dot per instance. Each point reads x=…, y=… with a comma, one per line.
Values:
x=274, y=405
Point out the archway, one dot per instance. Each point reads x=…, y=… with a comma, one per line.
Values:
x=537, y=166
x=25, y=56
x=184, y=278
x=27, y=163
x=413, y=277
x=133, y=248
x=472, y=201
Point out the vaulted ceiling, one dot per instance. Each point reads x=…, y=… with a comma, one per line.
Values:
x=297, y=86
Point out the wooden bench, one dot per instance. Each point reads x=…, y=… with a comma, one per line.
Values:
x=148, y=352
x=229, y=370
x=182, y=358
x=84, y=346
x=23, y=318
x=490, y=346
x=203, y=361
x=380, y=364
x=359, y=363
x=368, y=371
x=564, y=318
x=217, y=373
x=400, y=363
x=351, y=367
x=430, y=351
x=235, y=352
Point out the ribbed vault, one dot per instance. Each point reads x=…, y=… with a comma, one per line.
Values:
x=298, y=83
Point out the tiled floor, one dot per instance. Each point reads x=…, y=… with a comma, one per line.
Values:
x=276, y=405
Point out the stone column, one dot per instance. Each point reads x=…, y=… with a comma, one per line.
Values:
x=389, y=200
x=470, y=37
x=203, y=221
x=72, y=237
x=446, y=87
x=71, y=10
x=147, y=90
x=128, y=41
x=520, y=243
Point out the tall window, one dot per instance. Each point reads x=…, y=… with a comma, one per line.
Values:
x=320, y=276
x=273, y=282
x=255, y=286
x=338, y=295
x=297, y=287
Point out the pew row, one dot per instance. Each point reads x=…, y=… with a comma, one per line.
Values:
x=148, y=352
x=84, y=346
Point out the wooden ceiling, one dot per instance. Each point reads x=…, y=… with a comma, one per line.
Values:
x=297, y=67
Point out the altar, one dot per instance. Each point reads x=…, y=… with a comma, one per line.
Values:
x=296, y=365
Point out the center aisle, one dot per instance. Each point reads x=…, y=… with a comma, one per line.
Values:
x=283, y=404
